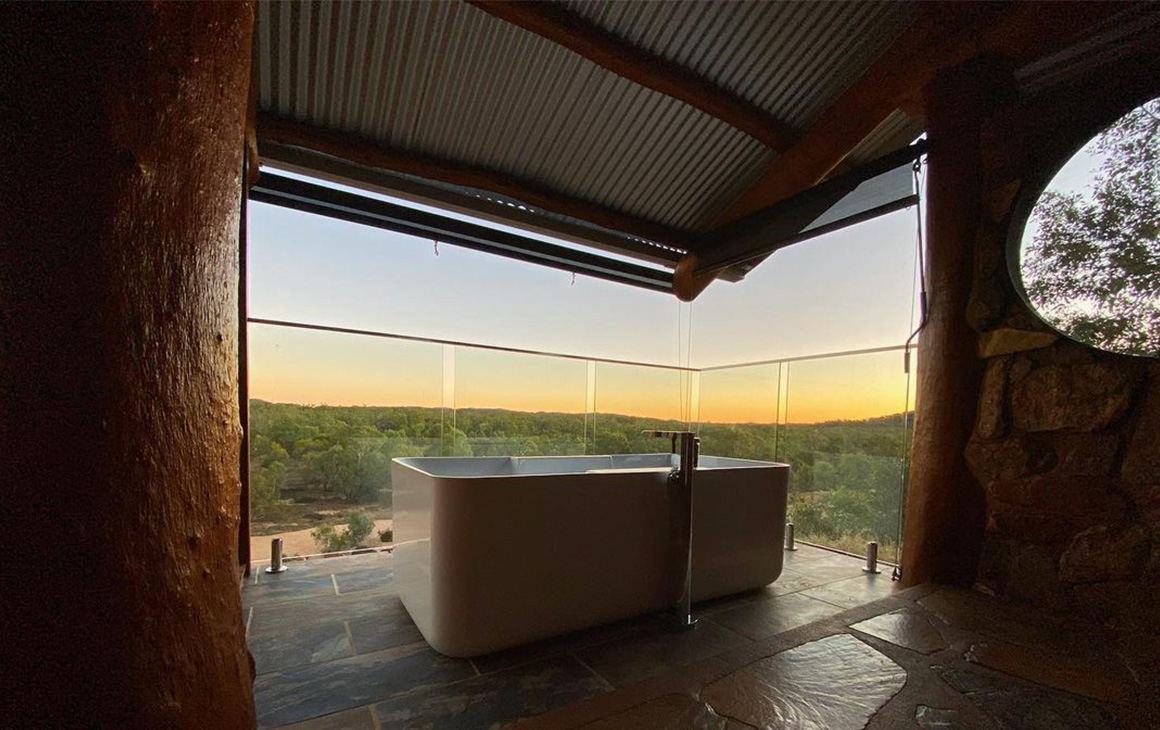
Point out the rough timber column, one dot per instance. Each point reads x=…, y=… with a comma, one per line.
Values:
x=120, y=180
x=945, y=506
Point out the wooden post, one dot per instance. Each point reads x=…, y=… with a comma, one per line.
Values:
x=245, y=559
x=120, y=182
x=945, y=506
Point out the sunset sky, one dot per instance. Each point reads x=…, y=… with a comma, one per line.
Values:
x=848, y=290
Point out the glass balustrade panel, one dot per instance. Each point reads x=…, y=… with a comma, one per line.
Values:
x=738, y=411
x=630, y=399
x=328, y=412
x=846, y=438
x=517, y=404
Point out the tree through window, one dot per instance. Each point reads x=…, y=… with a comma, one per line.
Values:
x=1090, y=259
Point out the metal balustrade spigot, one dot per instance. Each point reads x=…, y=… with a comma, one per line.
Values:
x=687, y=447
x=276, y=565
x=871, y=558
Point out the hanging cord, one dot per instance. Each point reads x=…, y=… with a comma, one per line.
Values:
x=923, y=302
x=684, y=364
x=680, y=330
x=689, y=368
x=436, y=242
x=919, y=188
x=904, y=480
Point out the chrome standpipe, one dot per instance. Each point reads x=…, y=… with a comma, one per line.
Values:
x=276, y=565
x=681, y=478
x=790, y=545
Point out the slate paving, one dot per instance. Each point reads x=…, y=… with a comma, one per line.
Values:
x=832, y=649
x=906, y=628
x=311, y=690
x=308, y=645
x=937, y=718
x=492, y=699
x=1015, y=705
x=668, y=711
x=762, y=619
x=925, y=657
x=625, y=662
x=796, y=687
x=335, y=649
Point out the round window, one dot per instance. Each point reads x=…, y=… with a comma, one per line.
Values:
x=1090, y=255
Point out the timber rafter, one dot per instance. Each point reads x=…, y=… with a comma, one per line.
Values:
x=556, y=23
x=943, y=35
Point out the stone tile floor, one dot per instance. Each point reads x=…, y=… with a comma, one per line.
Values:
x=334, y=648
x=826, y=647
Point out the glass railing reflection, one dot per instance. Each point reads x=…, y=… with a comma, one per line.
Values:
x=841, y=422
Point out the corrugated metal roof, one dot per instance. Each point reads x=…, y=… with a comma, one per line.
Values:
x=789, y=58
x=445, y=79
x=448, y=80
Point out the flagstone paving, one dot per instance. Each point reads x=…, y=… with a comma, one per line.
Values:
x=823, y=647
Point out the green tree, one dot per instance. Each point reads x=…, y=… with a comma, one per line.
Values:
x=456, y=443
x=1093, y=267
x=267, y=474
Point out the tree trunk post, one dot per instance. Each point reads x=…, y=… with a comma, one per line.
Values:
x=120, y=190
x=945, y=506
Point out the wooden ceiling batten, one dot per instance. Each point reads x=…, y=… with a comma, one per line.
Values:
x=552, y=21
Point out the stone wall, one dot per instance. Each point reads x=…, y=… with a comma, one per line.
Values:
x=1067, y=438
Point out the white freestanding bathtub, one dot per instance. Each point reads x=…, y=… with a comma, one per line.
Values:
x=492, y=552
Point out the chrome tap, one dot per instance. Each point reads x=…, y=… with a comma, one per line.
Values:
x=681, y=477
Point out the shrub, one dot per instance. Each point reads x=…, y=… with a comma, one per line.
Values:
x=329, y=540
x=358, y=528
x=386, y=535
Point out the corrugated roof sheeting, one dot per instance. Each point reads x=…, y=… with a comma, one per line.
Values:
x=448, y=80
x=791, y=59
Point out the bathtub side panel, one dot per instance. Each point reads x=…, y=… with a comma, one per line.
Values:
x=520, y=559
x=738, y=529
x=412, y=507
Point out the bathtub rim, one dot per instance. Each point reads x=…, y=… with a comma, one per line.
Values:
x=735, y=463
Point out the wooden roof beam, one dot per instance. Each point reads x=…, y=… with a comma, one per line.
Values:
x=563, y=27
x=368, y=153
x=944, y=35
